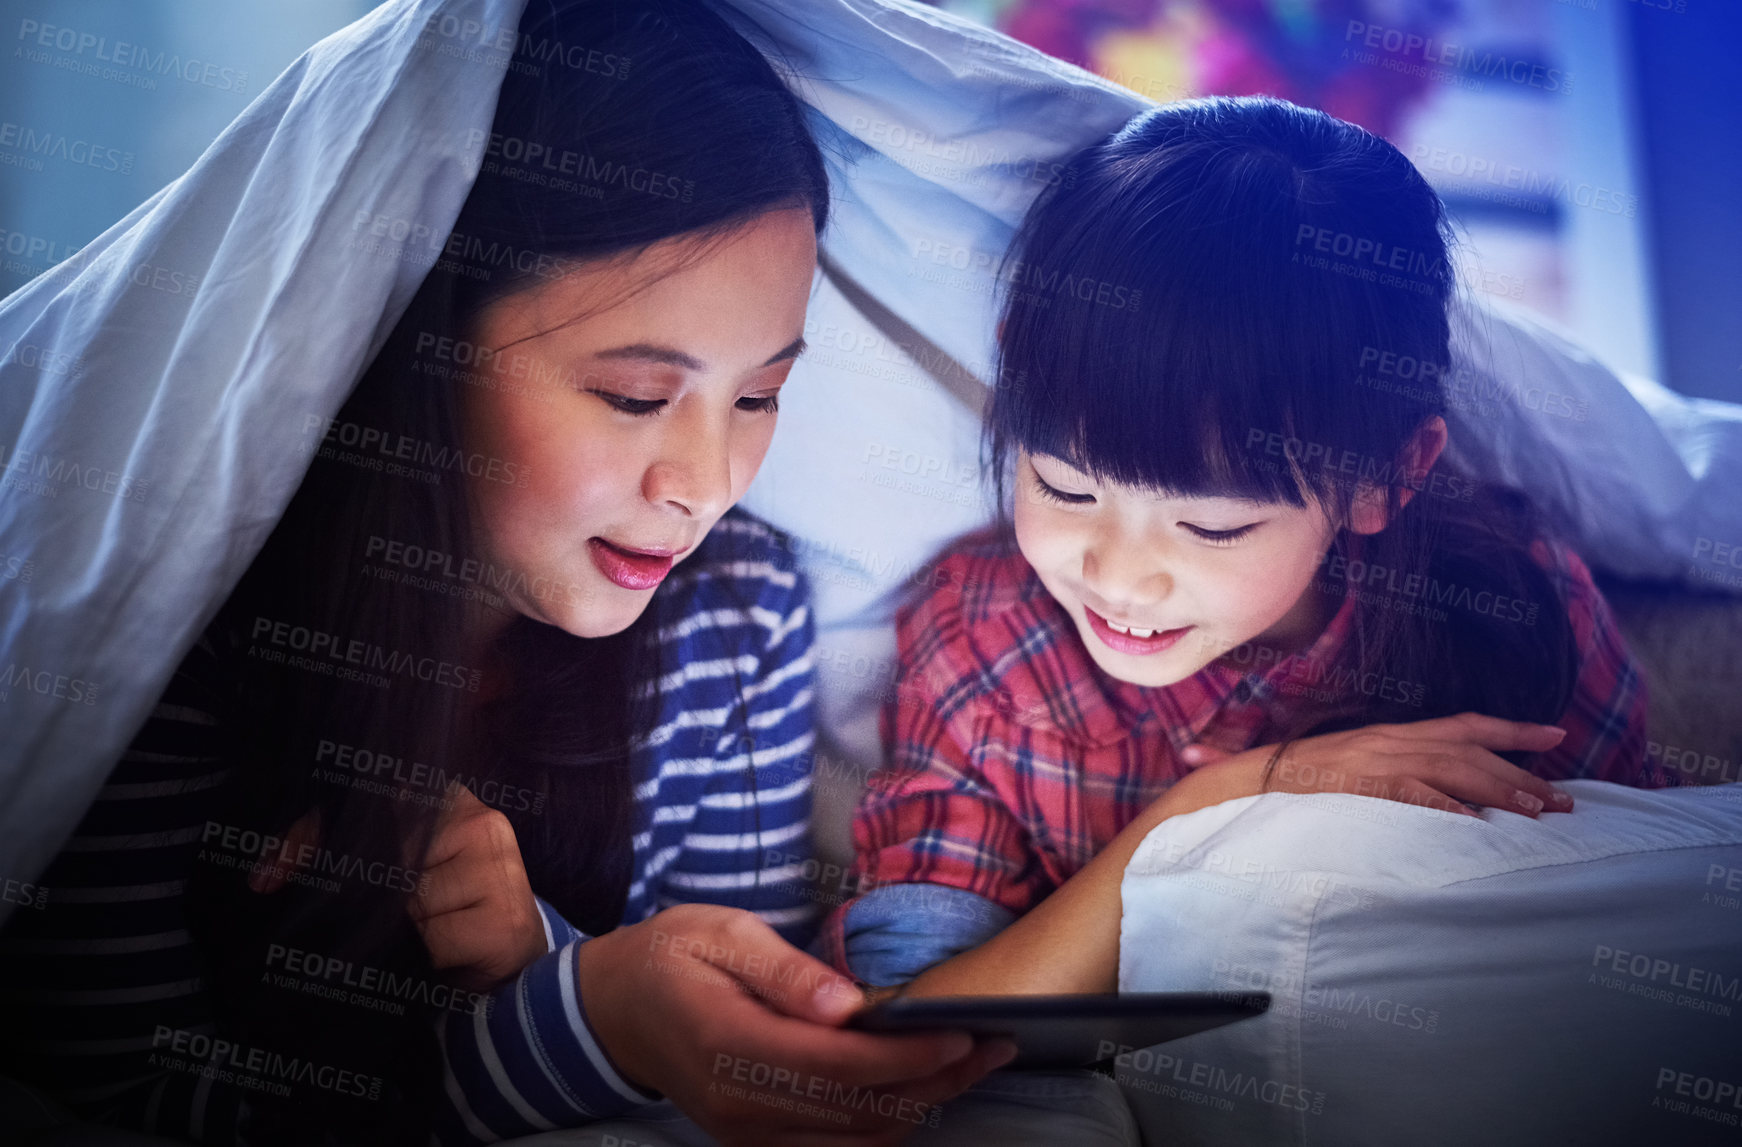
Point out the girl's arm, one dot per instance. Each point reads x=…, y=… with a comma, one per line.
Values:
x=942, y=859
x=1070, y=942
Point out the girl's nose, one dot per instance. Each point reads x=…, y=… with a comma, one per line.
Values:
x=1126, y=579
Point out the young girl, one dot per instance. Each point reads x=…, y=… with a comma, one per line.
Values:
x=1240, y=563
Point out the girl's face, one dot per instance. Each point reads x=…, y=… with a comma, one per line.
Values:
x=625, y=433
x=1158, y=586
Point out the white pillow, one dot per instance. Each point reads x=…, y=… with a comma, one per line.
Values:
x=1446, y=980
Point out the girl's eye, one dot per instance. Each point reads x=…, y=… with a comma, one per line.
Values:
x=1220, y=537
x=766, y=404
x=1054, y=494
x=630, y=405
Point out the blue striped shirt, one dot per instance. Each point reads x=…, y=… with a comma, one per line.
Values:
x=93, y=981
x=723, y=794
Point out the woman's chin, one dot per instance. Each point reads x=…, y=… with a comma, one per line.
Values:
x=601, y=618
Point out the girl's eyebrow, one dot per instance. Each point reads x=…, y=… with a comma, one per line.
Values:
x=671, y=356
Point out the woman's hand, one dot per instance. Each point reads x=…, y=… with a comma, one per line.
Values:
x=1441, y=763
x=710, y=1007
x=474, y=906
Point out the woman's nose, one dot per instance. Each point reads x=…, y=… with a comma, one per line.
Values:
x=693, y=472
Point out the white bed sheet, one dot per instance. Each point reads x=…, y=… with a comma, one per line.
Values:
x=154, y=432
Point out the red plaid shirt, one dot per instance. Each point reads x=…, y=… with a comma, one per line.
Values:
x=1013, y=758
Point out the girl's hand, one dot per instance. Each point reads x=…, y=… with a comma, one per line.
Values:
x=1438, y=763
x=710, y=1007
x=474, y=904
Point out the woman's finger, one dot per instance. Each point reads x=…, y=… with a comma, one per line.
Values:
x=454, y=829
x=857, y=1059
x=790, y=981
x=470, y=939
x=274, y=871
x=461, y=882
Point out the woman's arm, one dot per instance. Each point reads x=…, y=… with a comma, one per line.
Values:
x=1070, y=941
x=102, y=983
x=525, y=1058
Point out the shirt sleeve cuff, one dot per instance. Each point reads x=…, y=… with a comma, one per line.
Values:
x=895, y=932
x=531, y=1060
x=558, y=932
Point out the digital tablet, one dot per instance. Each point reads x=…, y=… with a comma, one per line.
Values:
x=1067, y=1031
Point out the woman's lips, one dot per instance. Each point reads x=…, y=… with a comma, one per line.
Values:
x=1129, y=643
x=631, y=569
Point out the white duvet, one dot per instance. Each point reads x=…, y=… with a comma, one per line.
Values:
x=155, y=389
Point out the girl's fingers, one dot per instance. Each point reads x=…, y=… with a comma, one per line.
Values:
x=1203, y=755
x=1525, y=784
x=1456, y=775
x=1412, y=791
x=1496, y=733
x=1474, y=774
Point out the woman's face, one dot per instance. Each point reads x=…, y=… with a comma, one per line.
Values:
x=1160, y=586
x=627, y=431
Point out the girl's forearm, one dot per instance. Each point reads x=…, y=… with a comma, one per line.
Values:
x=1069, y=943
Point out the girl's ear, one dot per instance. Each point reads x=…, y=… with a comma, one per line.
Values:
x=1370, y=514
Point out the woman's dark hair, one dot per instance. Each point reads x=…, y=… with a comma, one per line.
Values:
x=1242, y=297
x=619, y=124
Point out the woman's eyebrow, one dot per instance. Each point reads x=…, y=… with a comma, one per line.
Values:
x=648, y=352
x=791, y=350
x=671, y=356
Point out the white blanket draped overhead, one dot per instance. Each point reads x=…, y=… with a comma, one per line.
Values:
x=156, y=391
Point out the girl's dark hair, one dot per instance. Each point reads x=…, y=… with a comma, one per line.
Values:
x=619, y=124
x=1242, y=297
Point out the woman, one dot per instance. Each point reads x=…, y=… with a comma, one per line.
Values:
x=511, y=577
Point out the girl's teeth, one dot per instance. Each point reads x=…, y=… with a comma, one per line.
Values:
x=1142, y=632
x=1116, y=627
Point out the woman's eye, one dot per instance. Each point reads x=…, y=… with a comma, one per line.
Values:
x=1220, y=537
x=630, y=405
x=766, y=404
x=1057, y=495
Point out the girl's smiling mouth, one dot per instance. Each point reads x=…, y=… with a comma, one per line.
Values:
x=1133, y=640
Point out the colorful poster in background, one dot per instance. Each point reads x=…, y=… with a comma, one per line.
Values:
x=1517, y=111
